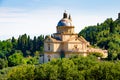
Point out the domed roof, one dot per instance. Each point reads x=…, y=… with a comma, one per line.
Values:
x=65, y=21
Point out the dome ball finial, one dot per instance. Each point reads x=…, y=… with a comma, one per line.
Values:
x=70, y=17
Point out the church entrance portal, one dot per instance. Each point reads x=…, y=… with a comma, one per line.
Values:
x=62, y=54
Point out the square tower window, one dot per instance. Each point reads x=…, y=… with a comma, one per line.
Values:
x=49, y=47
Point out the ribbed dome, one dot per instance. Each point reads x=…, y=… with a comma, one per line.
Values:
x=64, y=22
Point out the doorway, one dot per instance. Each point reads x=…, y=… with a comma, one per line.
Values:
x=62, y=54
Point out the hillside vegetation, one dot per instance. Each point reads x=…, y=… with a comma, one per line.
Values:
x=23, y=50
x=105, y=35
x=75, y=68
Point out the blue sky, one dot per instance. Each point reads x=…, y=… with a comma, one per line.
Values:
x=36, y=17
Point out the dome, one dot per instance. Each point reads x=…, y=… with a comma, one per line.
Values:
x=64, y=22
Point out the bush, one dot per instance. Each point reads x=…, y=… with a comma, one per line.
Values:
x=22, y=72
x=80, y=68
x=15, y=59
x=3, y=63
x=97, y=54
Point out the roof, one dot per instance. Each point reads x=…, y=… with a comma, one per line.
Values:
x=65, y=21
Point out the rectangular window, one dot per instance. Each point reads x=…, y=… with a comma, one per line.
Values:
x=49, y=47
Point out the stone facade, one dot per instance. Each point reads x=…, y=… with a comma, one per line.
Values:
x=66, y=42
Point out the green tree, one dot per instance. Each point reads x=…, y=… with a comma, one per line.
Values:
x=112, y=27
x=3, y=63
x=15, y=59
x=22, y=72
x=105, y=35
x=14, y=43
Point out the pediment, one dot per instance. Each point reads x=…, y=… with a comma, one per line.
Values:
x=77, y=39
x=82, y=39
x=74, y=39
x=50, y=39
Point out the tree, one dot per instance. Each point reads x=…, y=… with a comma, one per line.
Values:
x=14, y=43
x=105, y=35
x=40, y=43
x=34, y=44
x=3, y=63
x=22, y=72
x=112, y=27
x=15, y=59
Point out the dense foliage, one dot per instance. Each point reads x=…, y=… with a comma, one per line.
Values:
x=23, y=50
x=75, y=68
x=105, y=35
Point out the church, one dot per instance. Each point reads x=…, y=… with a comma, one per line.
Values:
x=65, y=42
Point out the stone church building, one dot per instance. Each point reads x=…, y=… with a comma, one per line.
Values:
x=65, y=42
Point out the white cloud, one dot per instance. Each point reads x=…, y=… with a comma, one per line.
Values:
x=33, y=23
x=14, y=22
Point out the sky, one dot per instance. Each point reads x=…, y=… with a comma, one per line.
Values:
x=36, y=17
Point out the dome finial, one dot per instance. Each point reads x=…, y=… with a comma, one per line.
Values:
x=65, y=14
x=70, y=17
